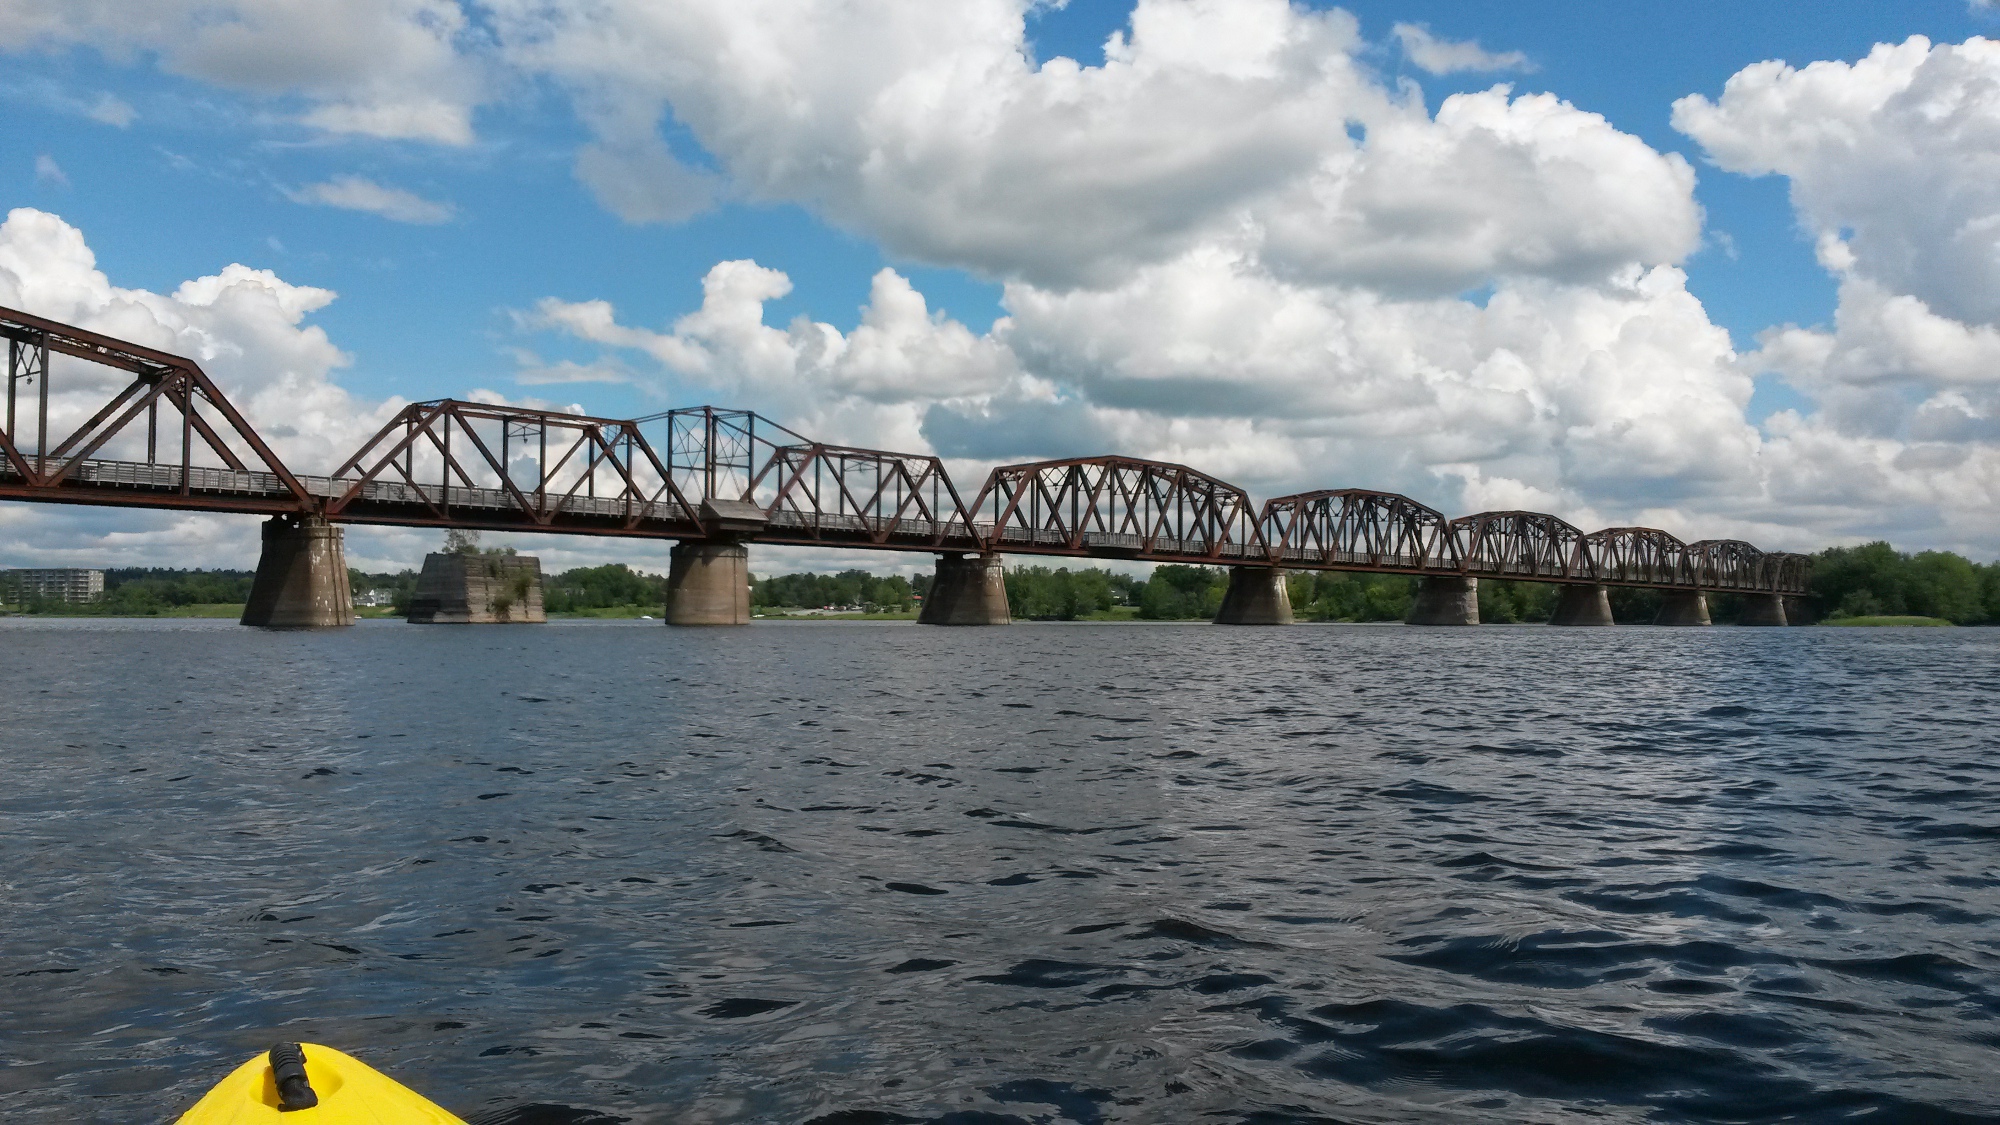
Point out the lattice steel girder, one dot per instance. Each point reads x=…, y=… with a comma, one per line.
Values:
x=1360, y=528
x=717, y=454
x=50, y=467
x=1525, y=545
x=1728, y=564
x=1119, y=507
x=570, y=455
x=841, y=490
x=1638, y=555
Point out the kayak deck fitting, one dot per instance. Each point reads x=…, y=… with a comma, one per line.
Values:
x=308, y=1084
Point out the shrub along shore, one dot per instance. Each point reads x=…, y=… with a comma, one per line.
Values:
x=1869, y=585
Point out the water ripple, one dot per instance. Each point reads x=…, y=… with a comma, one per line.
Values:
x=596, y=873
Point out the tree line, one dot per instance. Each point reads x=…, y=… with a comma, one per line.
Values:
x=1871, y=580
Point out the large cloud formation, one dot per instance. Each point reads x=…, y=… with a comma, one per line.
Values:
x=932, y=130
x=1230, y=244
x=1894, y=166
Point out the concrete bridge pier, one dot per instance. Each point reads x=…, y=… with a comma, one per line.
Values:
x=301, y=580
x=1583, y=604
x=1446, y=600
x=1683, y=607
x=455, y=589
x=1256, y=596
x=967, y=590
x=708, y=583
x=1799, y=611
x=1763, y=609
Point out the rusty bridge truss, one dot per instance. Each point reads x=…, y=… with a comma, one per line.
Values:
x=154, y=431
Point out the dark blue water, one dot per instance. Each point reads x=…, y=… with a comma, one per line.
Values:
x=869, y=874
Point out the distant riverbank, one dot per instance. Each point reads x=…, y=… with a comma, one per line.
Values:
x=1116, y=614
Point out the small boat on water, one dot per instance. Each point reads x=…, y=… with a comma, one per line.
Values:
x=307, y=1084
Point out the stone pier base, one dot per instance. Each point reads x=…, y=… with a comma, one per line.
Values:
x=1256, y=596
x=1800, y=611
x=967, y=590
x=301, y=577
x=1583, y=605
x=460, y=589
x=1763, y=609
x=1446, y=601
x=1683, y=607
x=708, y=584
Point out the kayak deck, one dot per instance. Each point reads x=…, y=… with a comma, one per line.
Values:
x=350, y=1092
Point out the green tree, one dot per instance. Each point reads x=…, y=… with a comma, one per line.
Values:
x=602, y=587
x=1350, y=596
x=1176, y=592
x=1503, y=603
x=1039, y=593
x=1875, y=578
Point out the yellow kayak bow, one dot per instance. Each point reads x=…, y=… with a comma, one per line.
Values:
x=307, y=1084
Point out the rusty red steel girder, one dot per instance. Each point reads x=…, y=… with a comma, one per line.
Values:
x=715, y=473
x=1359, y=529
x=450, y=463
x=63, y=467
x=1117, y=507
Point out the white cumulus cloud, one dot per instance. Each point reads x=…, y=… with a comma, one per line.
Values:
x=1894, y=167
x=1862, y=143
x=357, y=193
x=1443, y=56
x=380, y=68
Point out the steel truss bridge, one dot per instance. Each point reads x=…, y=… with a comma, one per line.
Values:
x=164, y=436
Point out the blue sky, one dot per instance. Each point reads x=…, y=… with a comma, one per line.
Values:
x=173, y=167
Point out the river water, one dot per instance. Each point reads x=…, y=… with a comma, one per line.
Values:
x=860, y=874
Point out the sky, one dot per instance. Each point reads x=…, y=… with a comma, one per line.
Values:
x=1706, y=266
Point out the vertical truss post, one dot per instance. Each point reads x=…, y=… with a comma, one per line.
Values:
x=42, y=422
x=14, y=376
x=25, y=362
x=187, y=434
x=709, y=433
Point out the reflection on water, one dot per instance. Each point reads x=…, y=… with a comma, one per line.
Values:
x=855, y=874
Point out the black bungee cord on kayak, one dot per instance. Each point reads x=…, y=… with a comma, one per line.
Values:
x=288, y=1066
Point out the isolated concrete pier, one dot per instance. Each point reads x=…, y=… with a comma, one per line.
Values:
x=1446, y=601
x=967, y=590
x=462, y=589
x=1683, y=607
x=1256, y=596
x=301, y=577
x=1763, y=609
x=1583, y=604
x=708, y=584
